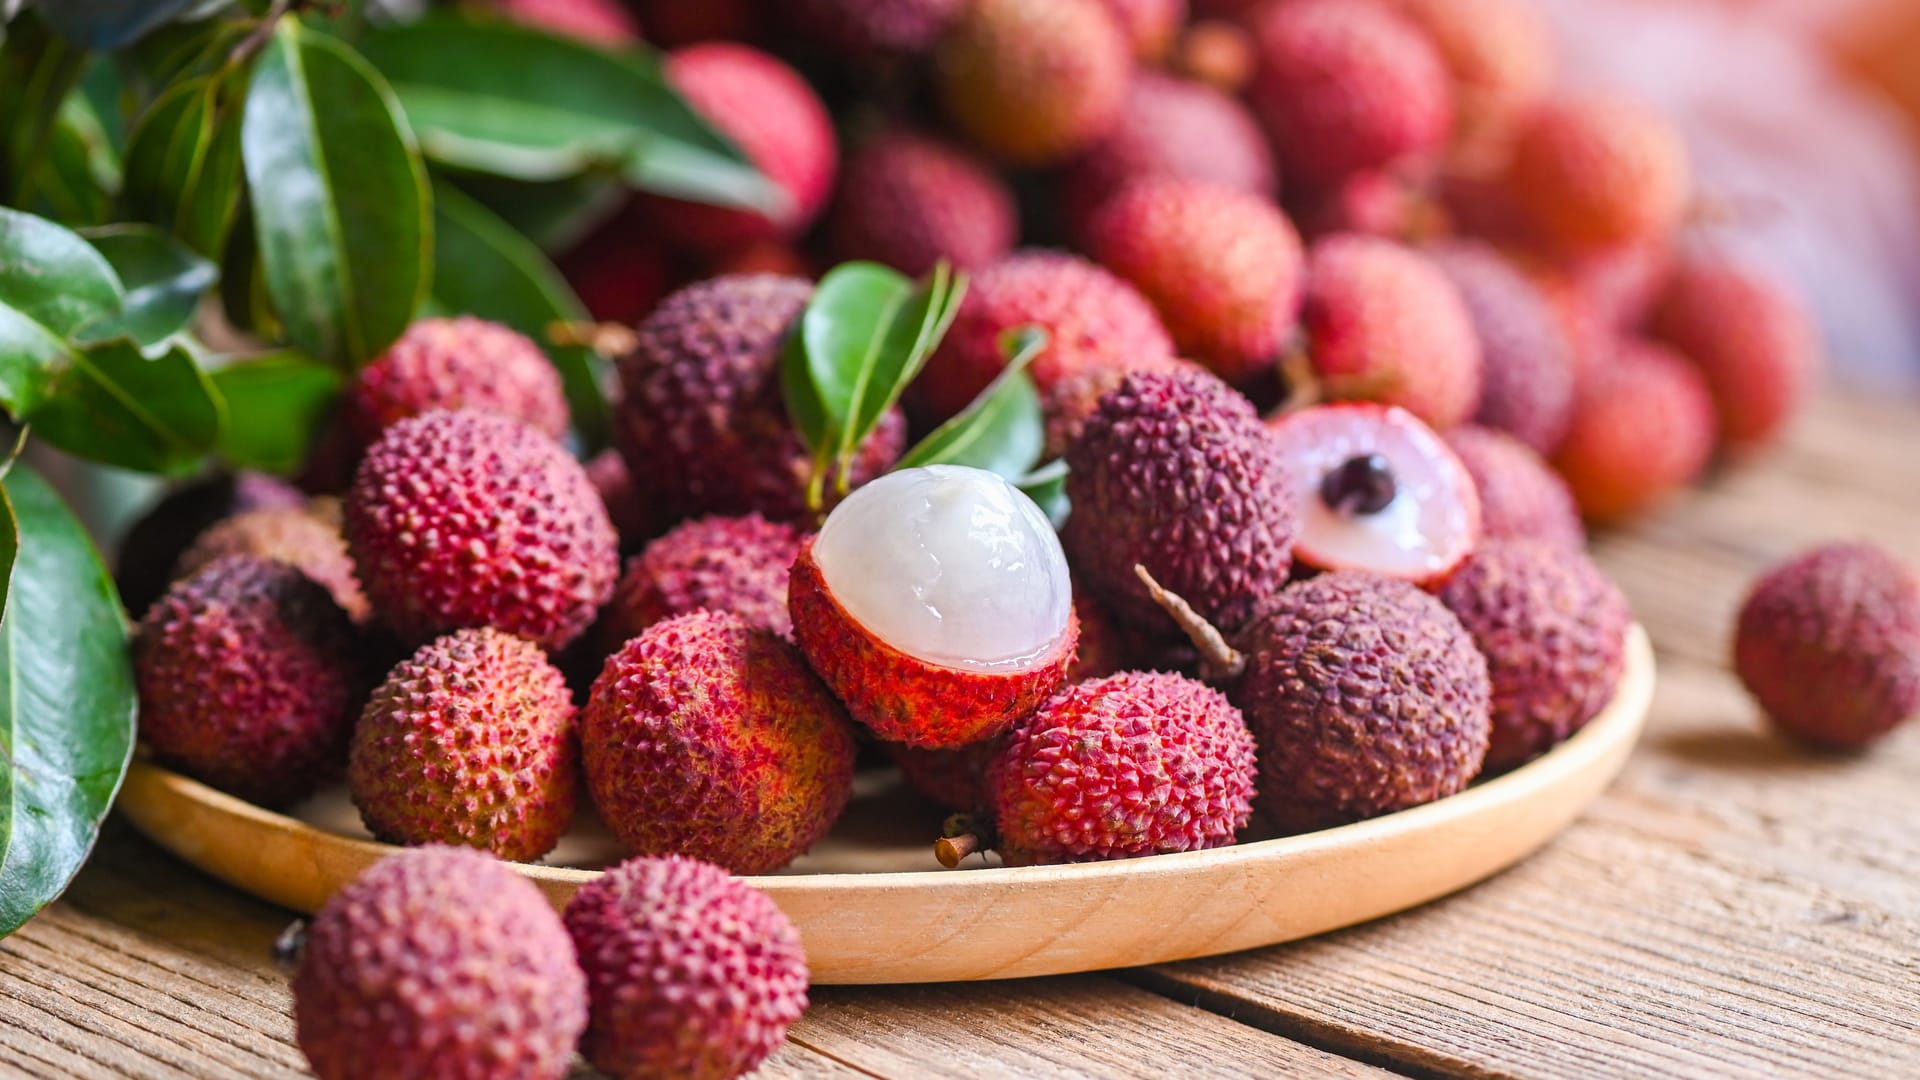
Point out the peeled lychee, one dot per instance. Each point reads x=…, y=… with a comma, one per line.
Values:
x=936, y=604
x=1642, y=428
x=439, y=962
x=1365, y=696
x=460, y=519
x=1149, y=25
x=457, y=363
x=909, y=201
x=736, y=565
x=874, y=29
x=292, y=535
x=1034, y=81
x=1499, y=55
x=1749, y=336
x=597, y=22
x=1377, y=490
x=469, y=741
x=1553, y=630
x=690, y=973
x=707, y=737
x=1221, y=266
x=1589, y=173
x=1521, y=497
x=1828, y=643
x=151, y=548
x=247, y=679
x=1526, y=361
x=701, y=419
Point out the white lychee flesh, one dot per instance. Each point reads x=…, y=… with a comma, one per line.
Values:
x=951, y=565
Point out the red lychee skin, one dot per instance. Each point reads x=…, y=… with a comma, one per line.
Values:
x=765, y=257
x=1384, y=324
x=439, y=962
x=292, y=535
x=872, y=30
x=460, y=519
x=701, y=419
x=633, y=518
x=1344, y=87
x=457, y=363
x=1133, y=764
x=1221, y=266
x=909, y=201
x=248, y=679
x=953, y=779
x=1642, y=429
x=1093, y=319
x=1034, y=82
x=903, y=698
x=709, y=738
x=153, y=544
x=620, y=270
x=1499, y=55
x=470, y=741
x=777, y=120
x=1591, y=173
x=596, y=22
x=1069, y=402
x=1828, y=643
x=1175, y=472
x=1365, y=696
x=1751, y=339
x=738, y=565
x=1553, y=630
x=1521, y=497
x=690, y=972
x=1217, y=53
x=1527, y=364
x=1149, y=25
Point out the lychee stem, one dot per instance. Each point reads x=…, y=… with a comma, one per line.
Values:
x=951, y=849
x=1223, y=660
x=610, y=340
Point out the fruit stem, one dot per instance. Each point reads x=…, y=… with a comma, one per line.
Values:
x=610, y=340
x=951, y=849
x=1223, y=660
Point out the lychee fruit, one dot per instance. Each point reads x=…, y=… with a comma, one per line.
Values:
x=1499, y=55
x=469, y=741
x=1749, y=336
x=690, y=973
x=935, y=602
x=1093, y=320
x=438, y=962
x=1365, y=696
x=1553, y=630
x=1590, y=172
x=870, y=30
x=292, y=535
x=909, y=201
x=597, y=22
x=1034, y=82
x=632, y=516
x=460, y=519
x=1216, y=52
x=456, y=363
x=1174, y=472
x=701, y=419
x=763, y=257
x=1521, y=497
x=672, y=24
x=1377, y=490
x=954, y=779
x=1642, y=428
x=248, y=679
x=151, y=548
x=708, y=737
x=1345, y=86
x=1221, y=266
x=620, y=270
x=1828, y=644
x=1382, y=323
x=737, y=565
x=1149, y=25
x=1069, y=402
x=1527, y=363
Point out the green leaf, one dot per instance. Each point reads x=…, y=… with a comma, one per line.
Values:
x=183, y=162
x=275, y=404
x=77, y=178
x=482, y=267
x=37, y=71
x=1002, y=430
x=845, y=327
x=66, y=698
x=114, y=405
x=340, y=200
x=164, y=283
x=1047, y=487
x=911, y=337
x=804, y=408
x=553, y=214
x=109, y=24
x=52, y=282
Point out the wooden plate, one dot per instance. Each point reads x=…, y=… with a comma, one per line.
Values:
x=872, y=906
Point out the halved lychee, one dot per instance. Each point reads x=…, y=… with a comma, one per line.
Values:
x=1378, y=490
x=935, y=601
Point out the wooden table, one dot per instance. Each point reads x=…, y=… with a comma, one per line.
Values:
x=1732, y=907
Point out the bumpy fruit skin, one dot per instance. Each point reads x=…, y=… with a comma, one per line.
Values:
x=1642, y=428
x=1384, y=324
x=738, y=565
x=292, y=535
x=1344, y=87
x=701, y=420
x=954, y=779
x=709, y=738
x=153, y=544
x=1553, y=630
x=424, y=522
x=1750, y=337
x=690, y=972
x=439, y=962
x=1526, y=360
x=1499, y=55
x=1149, y=25
x=469, y=741
x=1133, y=764
x=1829, y=644
x=1365, y=696
x=1521, y=497
x=1221, y=266
x=870, y=30
x=901, y=697
x=1034, y=82
x=909, y=201
x=597, y=22
x=457, y=363
x=1591, y=173
x=1176, y=473
x=248, y=679
x=1094, y=321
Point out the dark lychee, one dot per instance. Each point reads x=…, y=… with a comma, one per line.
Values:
x=737, y=565
x=910, y=201
x=1527, y=362
x=621, y=269
x=457, y=363
x=870, y=30
x=1034, y=81
x=1521, y=497
x=1642, y=429
x=293, y=535
x=1749, y=336
x=954, y=779
x=633, y=517
x=152, y=546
